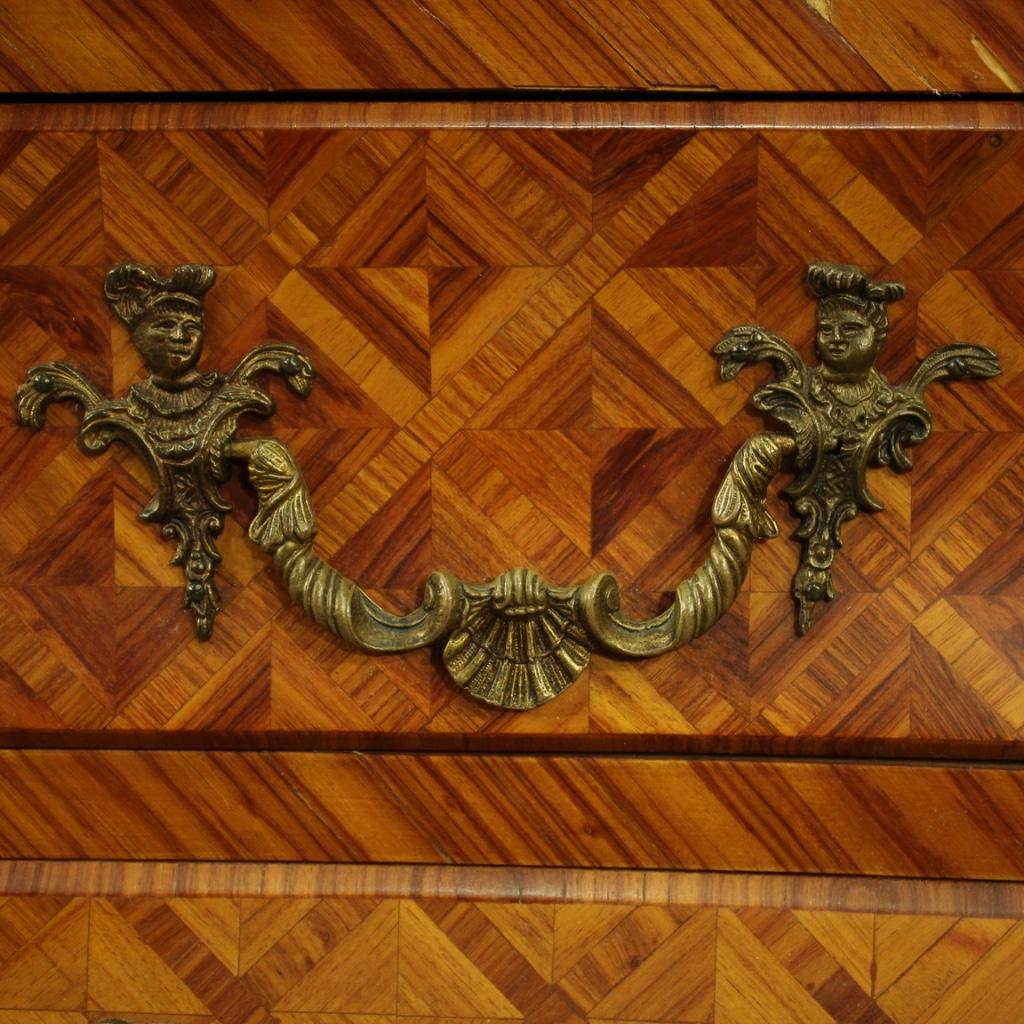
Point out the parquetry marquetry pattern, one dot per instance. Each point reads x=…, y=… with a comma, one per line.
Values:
x=513, y=333
x=372, y=960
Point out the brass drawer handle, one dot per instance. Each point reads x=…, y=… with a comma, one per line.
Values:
x=517, y=641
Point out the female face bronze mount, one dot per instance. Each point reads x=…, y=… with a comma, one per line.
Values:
x=181, y=421
x=844, y=417
x=170, y=341
x=847, y=344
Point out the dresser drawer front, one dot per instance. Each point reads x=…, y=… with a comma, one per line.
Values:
x=512, y=330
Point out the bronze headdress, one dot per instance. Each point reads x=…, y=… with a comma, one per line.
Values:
x=839, y=287
x=134, y=290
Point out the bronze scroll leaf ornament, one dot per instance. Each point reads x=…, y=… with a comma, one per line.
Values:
x=843, y=415
x=517, y=641
x=180, y=419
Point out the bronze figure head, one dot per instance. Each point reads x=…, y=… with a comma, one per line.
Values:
x=164, y=315
x=853, y=319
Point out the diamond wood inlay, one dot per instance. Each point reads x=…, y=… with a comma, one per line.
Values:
x=513, y=333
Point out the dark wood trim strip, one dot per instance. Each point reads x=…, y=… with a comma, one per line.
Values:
x=662, y=744
x=758, y=816
x=982, y=115
x=520, y=885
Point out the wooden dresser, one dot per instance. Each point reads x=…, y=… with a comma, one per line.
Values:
x=511, y=306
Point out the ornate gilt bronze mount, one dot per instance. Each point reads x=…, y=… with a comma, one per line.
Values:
x=179, y=419
x=517, y=641
x=844, y=416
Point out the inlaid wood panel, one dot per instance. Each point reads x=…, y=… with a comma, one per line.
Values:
x=513, y=334
x=379, y=958
x=789, y=45
x=750, y=815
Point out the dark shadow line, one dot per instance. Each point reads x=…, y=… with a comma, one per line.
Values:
x=525, y=95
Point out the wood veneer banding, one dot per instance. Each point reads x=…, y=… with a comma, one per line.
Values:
x=849, y=894
x=716, y=815
x=824, y=114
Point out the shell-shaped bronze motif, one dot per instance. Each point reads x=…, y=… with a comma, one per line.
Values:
x=519, y=643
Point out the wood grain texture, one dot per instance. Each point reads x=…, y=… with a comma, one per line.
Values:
x=578, y=886
x=373, y=959
x=759, y=816
x=826, y=45
x=373, y=112
x=513, y=331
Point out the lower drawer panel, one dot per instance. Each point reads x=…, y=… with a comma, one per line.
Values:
x=819, y=817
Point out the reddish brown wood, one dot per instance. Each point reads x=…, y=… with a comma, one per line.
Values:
x=565, y=256
x=368, y=954
x=755, y=816
x=574, y=886
x=910, y=115
x=824, y=45
x=512, y=330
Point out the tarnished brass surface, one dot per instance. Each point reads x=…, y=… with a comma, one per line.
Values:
x=844, y=416
x=179, y=419
x=517, y=641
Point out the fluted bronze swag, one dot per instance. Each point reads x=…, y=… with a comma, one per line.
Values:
x=517, y=641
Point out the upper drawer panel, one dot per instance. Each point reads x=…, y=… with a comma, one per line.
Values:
x=789, y=45
x=513, y=334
